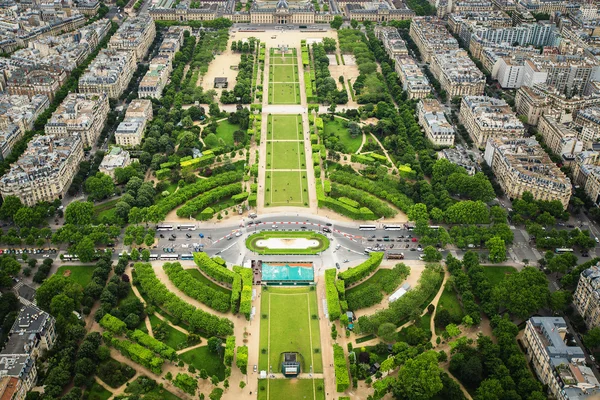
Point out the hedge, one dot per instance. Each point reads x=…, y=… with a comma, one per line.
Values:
x=196, y=289
x=153, y=344
x=362, y=159
x=135, y=352
x=252, y=199
x=212, y=196
x=159, y=295
x=314, y=139
x=167, y=165
x=329, y=202
x=384, y=189
x=214, y=269
x=186, y=383
x=187, y=192
x=162, y=174
x=246, y=298
x=113, y=324
x=206, y=214
x=352, y=275
x=238, y=198
x=331, y=294
x=242, y=359
x=199, y=162
x=350, y=202
x=379, y=207
x=342, y=377
x=229, y=351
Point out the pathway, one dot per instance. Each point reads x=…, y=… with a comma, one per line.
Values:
x=385, y=152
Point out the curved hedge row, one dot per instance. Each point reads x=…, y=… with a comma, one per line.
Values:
x=246, y=298
x=198, y=320
x=342, y=377
x=331, y=294
x=381, y=190
x=362, y=214
x=196, y=289
x=212, y=196
x=135, y=352
x=185, y=193
x=352, y=275
x=153, y=344
x=113, y=324
x=214, y=269
x=360, y=196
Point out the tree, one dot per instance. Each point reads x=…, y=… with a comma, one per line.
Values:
x=99, y=186
x=215, y=344
x=62, y=305
x=354, y=23
x=336, y=23
x=592, y=338
x=559, y=300
x=145, y=255
x=419, y=378
x=387, y=332
x=122, y=210
x=430, y=254
x=522, y=293
x=85, y=250
x=79, y=213
x=497, y=249
x=10, y=206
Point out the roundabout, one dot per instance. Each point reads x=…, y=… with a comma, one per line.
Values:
x=265, y=243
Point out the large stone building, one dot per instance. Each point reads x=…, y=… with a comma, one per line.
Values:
x=457, y=73
x=32, y=333
x=130, y=132
x=110, y=72
x=44, y=171
x=562, y=139
x=17, y=116
x=557, y=360
x=521, y=165
x=31, y=81
x=116, y=158
x=586, y=298
x=135, y=34
x=156, y=78
x=586, y=174
x=486, y=117
x=437, y=128
x=431, y=36
x=80, y=114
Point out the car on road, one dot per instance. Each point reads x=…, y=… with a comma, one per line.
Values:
x=370, y=240
x=414, y=240
x=337, y=265
x=596, y=239
x=274, y=226
x=329, y=224
x=327, y=230
x=255, y=368
x=174, y=236
x=250, y=223
x=229, y=237
x=200, y=235
x=171, y=239
x=238, y=234
x=337, y=247
x=413, y=249
x=187, y=235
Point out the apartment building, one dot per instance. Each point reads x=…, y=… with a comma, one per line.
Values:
x=490, y=56
x=557, y=360
x=433, y=121
x=567, y=74
x=80, y=114
x=130, y=132
x=562, y=139
x=116, y=158
x=393, y=44
x=30, y=81
x=135, y=34
x=156, y=78
x=110, y=72
x=521, y=165
x=546, y=6
x=32, y=333
x=17, y=116
x=543, y=33
x=493, y=19
x=44, y=171
x=413, y=80
x=462, y=157
x=537, y=99
x=586, y=298
x=589, y=121
x=486, y=117
x=457, y=74
x=431, y=36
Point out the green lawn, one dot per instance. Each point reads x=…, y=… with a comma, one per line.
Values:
x=291, y=389
x=449, y=301
x=176, y=339
x=286, y=155
x=284, y=127
x=378, y=279
x=288, y=327
x=105, y=210
x=225, y=131
x=195, y=272
x=323, y=242
x=97, y=392
x=286, y=188
x=284, y=93
x=81, y=274
x=202, y=358
x=497, y=274
x=284, y=73
x=336, y=128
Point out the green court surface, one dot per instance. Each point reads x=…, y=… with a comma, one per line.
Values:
x=287, y=325
x=291, y=389
x=284, y=127
x=286, y=155
x=284, y=93
x=286, y=188
x=284, y=73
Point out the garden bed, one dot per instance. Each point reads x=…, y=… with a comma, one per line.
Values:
x=287, y=243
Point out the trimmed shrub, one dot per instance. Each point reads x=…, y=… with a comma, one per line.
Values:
x=331, y=295
x=352, y=275
x=113, y=324
x=229, y=350
x=342, y=377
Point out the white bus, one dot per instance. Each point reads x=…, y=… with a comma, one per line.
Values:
x=563, y=250
x=153, y=257
x=367, y=227
x=169, y=257
x=434, y=227
x=186, y=227
x=69, y=257
x=393, y=227
x=164, y=228
x=188, y=256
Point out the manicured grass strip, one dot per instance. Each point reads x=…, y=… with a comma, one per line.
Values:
x=336, y=127
x=203, y=358
x=497, y=274
x=285, y=326
x=196, y=274
x=225, y=131
x=286, y=155
x=173, y=338
x=286, y=188
x=291, y=389
x=251, y=242
x=81, y=274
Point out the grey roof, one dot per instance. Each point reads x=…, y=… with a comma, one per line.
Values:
x=556, y=348
x=30, y=322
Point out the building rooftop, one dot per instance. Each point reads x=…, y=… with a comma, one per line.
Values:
x=459, y=68
x=489, y=112
x=433, y=114
x=107, y=67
